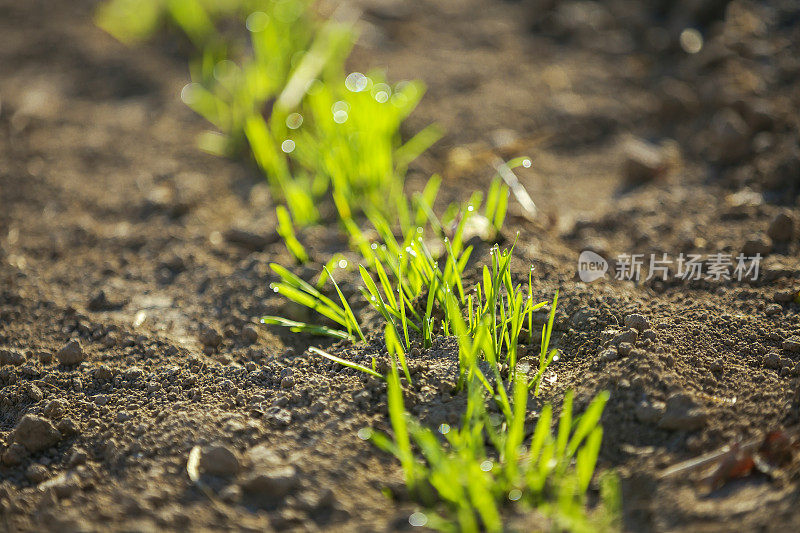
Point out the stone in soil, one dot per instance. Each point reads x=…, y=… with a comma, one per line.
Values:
x=35, y=433
x=624, y=349
x=250, y=334
x=101, y=302
x=781, y=229
x=792, y=344
x=643, y=162
x=11, y=356
x=649, y=412
x=271, y=482
x=33, y=392
x=785, y=296
x=630, y=335
x=209, y=336
x=772, y=360
x=682, y=413
x=638, y=322
x=278, y=416
x=36, y=473
x=270, y=476
x=45, y=356
x=729, y=136
x=250, y=240
x=609, y=354
x=757, y=244
x=71, y=354
x=14, y=454
x=219, y=460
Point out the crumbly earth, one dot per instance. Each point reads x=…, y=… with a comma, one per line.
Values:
x=133, y=267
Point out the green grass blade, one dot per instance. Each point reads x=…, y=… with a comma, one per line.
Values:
x=588, y=421
x=348, y=364
x=351, y=318
x=302, y=327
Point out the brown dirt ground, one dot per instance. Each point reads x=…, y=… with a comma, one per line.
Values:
x=102, y=189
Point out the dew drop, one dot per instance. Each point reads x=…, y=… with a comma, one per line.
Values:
x=287, y=146
x=342, y=263
x=418, y=519
x=340, y=105
x=526, y=163
x=399, y=99
x=189, y=93
x=225, y=69
x=381, y=92
x=356, y=82
x=294, y=121
x=487, y=466
x=514, y=495
x=340, y=117
x=257, y=21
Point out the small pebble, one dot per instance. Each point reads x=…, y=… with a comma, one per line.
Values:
x=45, y=356
x=72, y=353
x=14, y=454
x=643, y=162
x=11, y=356
x=609, y=354
x=649, y=412
x=772, y=360
x=628, y=336
x=781, y=229
x=209, y=336
x=682, y=414
x=757, y=244
x=219, y=460
x=792, y=344
x=35, y=433
x=638, y=322
x=271, y=482
x=250, y=334
x=785, y=296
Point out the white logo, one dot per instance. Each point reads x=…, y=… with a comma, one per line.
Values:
x=591, y=266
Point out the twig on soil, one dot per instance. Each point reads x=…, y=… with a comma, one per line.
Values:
x=696, y=463
x=516, y=187
x=40, y=382
x=767, y=454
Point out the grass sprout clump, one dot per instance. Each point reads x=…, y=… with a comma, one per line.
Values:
x=471, y=472
x=468, y=476
x=282, y=94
